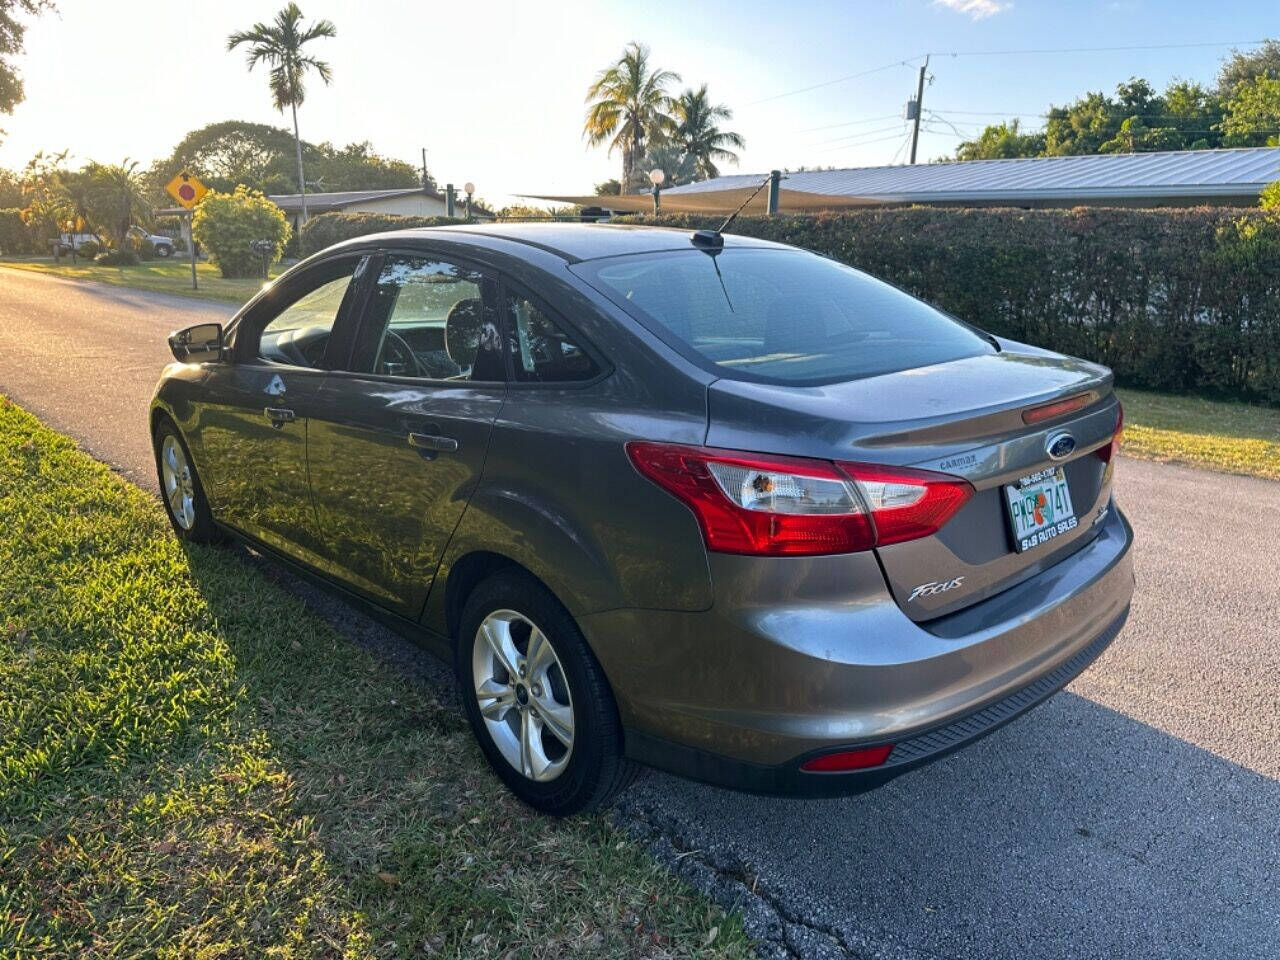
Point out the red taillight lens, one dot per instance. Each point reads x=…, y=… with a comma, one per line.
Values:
x=748, y=503
x=907, y=504
x=1108, y=453
x=849, y=759
x=791, y=506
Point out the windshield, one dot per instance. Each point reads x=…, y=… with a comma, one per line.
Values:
x=784, y=316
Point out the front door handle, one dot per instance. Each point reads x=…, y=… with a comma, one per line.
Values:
x=427, y=441
x=279, y=416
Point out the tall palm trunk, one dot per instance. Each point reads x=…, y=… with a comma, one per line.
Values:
x=302, y=180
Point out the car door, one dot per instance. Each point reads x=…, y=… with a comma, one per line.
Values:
x=253, y=427
x=397, y=439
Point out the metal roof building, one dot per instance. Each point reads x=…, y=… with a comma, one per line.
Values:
x=1231, y=177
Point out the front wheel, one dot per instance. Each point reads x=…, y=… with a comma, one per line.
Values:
x=538, y=702
x=164, y=251
x=180, y=487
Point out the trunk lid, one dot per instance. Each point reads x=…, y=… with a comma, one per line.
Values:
x=963, y=418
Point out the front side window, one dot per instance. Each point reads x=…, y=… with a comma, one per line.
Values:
x=782, y=316
x=299, y=334
x=541, y=350
x=430, y=319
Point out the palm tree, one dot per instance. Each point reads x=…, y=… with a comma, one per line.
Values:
x=696, y=130
x=628, y=104
x=279, y=45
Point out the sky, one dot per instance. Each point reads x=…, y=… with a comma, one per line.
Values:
x=494, y=89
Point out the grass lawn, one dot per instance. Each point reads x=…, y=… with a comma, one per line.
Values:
x=162, y=276
x=1233, y=437
x=194, y=765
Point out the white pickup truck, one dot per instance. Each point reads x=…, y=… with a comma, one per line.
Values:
x=74, y=241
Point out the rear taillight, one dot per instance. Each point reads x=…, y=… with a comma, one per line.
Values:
x=791, y=506
x=1107, y=454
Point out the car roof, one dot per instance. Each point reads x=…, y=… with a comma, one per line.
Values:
x=574, y=242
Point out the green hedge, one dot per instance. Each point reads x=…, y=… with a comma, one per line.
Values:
x=330, y=228
x=15, y=236
x=1184, y=300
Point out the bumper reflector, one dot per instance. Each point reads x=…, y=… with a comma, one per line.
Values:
x=849, y=759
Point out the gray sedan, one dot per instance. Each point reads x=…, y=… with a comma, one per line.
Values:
x=700, y=502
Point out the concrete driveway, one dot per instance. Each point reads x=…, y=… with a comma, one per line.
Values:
x=1135, y=815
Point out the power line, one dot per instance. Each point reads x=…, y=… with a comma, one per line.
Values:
x=827, y=83
x=1007, y=53
x=864, y=143
x=849, y=123
x=854, y=136
x=1140, y=46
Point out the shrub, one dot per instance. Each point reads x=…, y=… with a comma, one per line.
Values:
x=117, y=258
x=226, y=224
x=15, y=235
x=1183, y=300
x=89, y=249
x=144, y=248
x=330, y=228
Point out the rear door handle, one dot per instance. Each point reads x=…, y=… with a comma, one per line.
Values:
x=279, y=415
x=427, y=441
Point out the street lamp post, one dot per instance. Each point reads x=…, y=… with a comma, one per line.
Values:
x=470, y=188
x=656, y=176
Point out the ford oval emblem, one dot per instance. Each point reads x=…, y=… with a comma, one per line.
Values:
x=1060, y=445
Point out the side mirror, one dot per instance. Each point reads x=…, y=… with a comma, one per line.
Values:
x=199, y=344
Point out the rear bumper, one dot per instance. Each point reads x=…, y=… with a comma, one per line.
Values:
x=916, y=751
x=799, y=657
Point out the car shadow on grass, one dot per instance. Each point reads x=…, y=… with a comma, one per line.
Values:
x=422, y=842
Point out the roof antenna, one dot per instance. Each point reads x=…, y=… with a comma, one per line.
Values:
x=714, y=238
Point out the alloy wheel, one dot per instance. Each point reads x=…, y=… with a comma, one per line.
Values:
x=523, y=696
x=179, y=488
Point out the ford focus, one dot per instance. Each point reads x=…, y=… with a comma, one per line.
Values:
x=692, y=501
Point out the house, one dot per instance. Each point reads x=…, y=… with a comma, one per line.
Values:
x=1228, y=177
x=410, y=202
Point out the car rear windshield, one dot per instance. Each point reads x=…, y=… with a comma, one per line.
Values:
x=783, y=316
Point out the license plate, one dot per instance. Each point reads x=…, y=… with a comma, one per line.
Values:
x=1040, y=508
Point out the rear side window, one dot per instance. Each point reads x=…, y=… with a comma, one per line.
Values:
x=431, y=320
x=783, y=316
x=542, y=351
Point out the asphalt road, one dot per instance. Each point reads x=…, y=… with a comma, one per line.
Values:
x=1135, y=815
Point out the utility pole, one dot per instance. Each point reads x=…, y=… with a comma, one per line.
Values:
x=424, y=169
x=915, y=130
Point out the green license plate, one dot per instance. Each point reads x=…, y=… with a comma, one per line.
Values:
x=1040, y=508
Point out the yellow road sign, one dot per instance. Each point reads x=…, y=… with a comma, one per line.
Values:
x=186, y=189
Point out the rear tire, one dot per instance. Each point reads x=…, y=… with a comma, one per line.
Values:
x=548, y=725
x=181, y=491
x=164, y=251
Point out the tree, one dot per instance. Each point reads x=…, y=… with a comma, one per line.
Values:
x=280, y=47
x=260, y=156
x=233, y=152
x=227, y=224
x=12, y=32
x=698, y=131
x=1251, y=115
x=678, y=166
x=46, y=207
x=10, y=190
x=357, y=166
x=115, y=199
x=608, y=188
x=1001, y=142
x=1262, y=61
x=628, y=104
